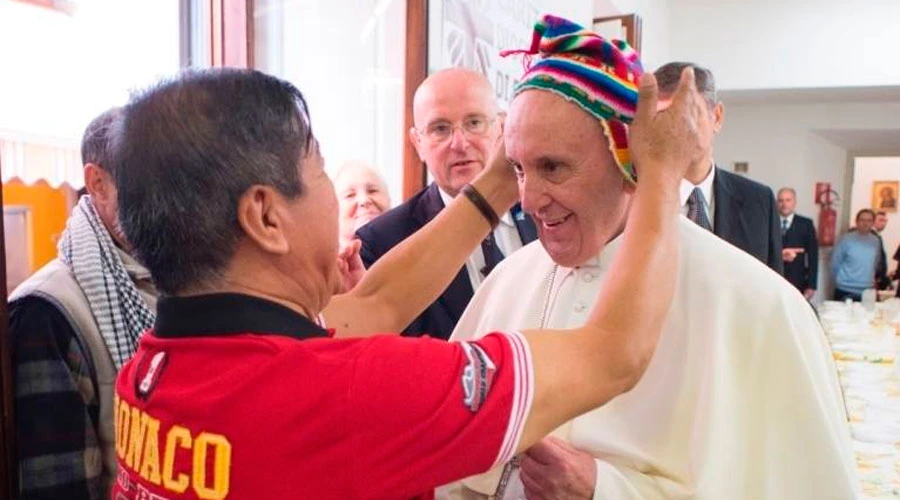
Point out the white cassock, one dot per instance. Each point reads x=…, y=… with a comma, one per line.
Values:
x=741, y=399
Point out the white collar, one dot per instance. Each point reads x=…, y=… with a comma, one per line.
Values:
x=601, y=261
x=706, y=187
x=788, y=218
x=505, y=218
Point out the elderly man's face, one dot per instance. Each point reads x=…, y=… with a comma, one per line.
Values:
x=786, y=202
x=362, y=196
x=568, y=180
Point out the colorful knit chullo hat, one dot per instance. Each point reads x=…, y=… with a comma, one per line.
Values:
x=599, y=75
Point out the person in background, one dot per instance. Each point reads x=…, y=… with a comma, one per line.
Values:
x=882, y=280
x=73, y=325
x=855, y=258
x=800, y=247
x=457, y=122
x=736, y=209
x=362, y=196
x=239, y=391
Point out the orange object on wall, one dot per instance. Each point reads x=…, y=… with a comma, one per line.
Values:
x=48, y=211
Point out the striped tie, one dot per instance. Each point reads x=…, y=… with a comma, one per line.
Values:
x=697, y=209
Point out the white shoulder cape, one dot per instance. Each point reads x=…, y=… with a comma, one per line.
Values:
x=740, y=402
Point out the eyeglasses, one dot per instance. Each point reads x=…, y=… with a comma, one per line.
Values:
x=473, y=126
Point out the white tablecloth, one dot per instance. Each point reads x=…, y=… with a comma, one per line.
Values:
x=865, y=344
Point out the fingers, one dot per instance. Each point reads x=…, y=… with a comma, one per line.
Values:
x=544, y=452
x=648, y=97
x=687, y=86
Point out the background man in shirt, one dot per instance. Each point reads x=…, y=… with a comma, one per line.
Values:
x=855, y=258
x=736, y=209
x=73, y=325
x=800, y=247
x=457, y=123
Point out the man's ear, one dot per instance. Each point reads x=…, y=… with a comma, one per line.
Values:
x=99, y=184
x=416, y=141
x=718, y=116
x=262, y=214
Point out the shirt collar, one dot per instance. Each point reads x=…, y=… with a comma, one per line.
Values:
x=706, y=187
x=505, y=217
x=788, y=218
x=601, y=261
x=222, y=314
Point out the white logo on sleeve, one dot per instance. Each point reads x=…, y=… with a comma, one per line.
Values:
x=477, y=376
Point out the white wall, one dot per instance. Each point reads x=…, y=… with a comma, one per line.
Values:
x=865, y=171
x=354, y=89
x=782, y=146
x=763, y=44
x=655, y=26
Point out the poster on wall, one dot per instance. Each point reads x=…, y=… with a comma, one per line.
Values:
x=884, y=195
x=471, y=34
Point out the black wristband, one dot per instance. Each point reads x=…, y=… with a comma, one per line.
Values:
x=481, y=204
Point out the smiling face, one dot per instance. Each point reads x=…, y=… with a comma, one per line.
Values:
x=362, y=196
x=462, y=102
x=568, y=180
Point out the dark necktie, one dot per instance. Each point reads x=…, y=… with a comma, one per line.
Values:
x=492, y=254
x=697, y=210
x=784, y=226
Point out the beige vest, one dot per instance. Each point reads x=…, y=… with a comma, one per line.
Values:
x=56, y=284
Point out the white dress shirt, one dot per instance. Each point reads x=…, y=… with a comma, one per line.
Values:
x=789, y=219
x=507, y=236
x=706, y=187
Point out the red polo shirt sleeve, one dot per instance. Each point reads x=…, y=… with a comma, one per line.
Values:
x=426, y=412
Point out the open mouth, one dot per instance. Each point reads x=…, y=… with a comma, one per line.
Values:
x=552, y=223
x=462, y=163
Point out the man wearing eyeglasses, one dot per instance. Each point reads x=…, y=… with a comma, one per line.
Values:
x=457, y=123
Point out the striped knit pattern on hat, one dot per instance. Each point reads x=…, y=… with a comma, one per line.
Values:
x=599, y=75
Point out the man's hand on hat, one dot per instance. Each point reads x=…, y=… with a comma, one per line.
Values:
x=665, y=143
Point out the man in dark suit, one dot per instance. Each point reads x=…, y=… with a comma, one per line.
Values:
x=737, y=209
x=457, y=124
x=800, y=247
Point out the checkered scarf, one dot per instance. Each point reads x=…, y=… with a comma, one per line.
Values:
x=88, y=249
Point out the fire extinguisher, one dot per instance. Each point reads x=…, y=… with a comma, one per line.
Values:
x=825, y=196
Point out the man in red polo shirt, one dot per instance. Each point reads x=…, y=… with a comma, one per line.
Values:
x=239, y=391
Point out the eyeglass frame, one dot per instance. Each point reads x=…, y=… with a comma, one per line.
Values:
x=453, y=126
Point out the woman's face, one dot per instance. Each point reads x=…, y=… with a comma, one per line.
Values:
x=362, y=196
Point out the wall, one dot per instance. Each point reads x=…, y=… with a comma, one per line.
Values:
x=789, y=43
x=48, y=211
x=865, y=171
x=783, y=146
x=655, y=30
x=352, y=83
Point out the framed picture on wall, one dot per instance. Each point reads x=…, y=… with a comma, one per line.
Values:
x=884, y=195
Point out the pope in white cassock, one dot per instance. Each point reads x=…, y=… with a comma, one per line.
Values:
x=741, y=399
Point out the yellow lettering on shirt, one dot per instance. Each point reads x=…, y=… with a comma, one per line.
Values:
x=221, y=466
x=135, y=439
x=122, y=413
x=138, y=449
x=150, y=460
x=180, y=437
